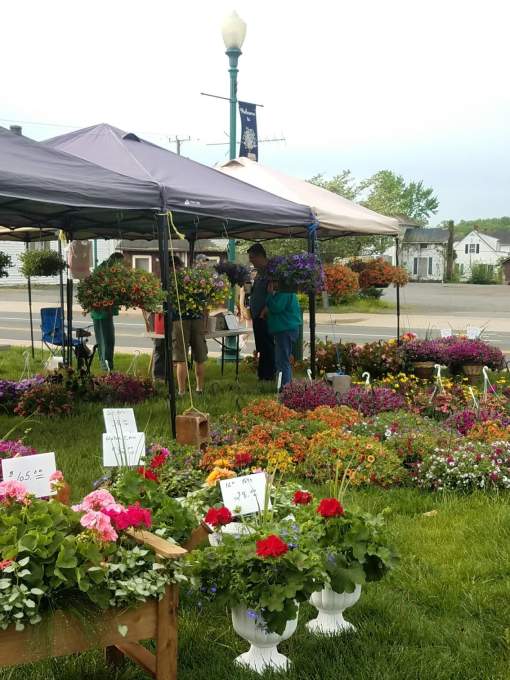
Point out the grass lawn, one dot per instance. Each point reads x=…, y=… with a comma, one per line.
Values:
x=361, y=305
x=443, y=614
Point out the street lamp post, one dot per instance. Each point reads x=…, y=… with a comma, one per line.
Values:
x=234, y=33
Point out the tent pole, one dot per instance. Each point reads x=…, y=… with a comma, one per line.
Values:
x=311, y=304
x=29, y=284
x=69, y=322
x=167, y=310
x=61, y=287
x=397, y=261
x=191, y=256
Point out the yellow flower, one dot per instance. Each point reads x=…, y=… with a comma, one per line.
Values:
x=222, y=463
x=371, y=459
x=219, y=473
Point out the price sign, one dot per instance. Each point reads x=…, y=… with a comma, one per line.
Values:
x=244, y=495
x=446, y=333
x=123, y=450
x=32, y=471
x=473, y=332
x=119, y=420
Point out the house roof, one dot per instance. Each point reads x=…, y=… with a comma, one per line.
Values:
x=423, y=235
x=182, y=246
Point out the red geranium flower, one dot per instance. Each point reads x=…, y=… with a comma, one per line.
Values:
x=158, y=460
x=148, y=474
x=330, y=507
x=218, y=516
x=133, y=516
x=272, y=546
x=5, y=563
x=302, y=498
x=243, y=459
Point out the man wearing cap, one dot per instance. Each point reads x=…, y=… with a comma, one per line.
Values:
x=264, y=342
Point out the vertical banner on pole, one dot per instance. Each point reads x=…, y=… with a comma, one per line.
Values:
x=249, y=146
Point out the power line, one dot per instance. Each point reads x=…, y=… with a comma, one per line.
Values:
x=178, y=142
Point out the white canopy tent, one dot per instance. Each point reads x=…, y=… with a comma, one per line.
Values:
x=336, y=216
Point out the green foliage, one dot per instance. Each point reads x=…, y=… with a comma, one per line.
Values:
x=389, y=194
x=483, y=273
x=5, y=263
x=493, y=226
x=343, y=184
x=41, y=263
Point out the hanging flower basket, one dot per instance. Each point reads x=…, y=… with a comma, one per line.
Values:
x=302, y=272
x=236, y=273
x=41, y=263
x=120, y=286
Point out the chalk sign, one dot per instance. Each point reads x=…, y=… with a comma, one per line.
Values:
x=32, y=471
x=244, y=495
x=123, y=450
x=119, y=420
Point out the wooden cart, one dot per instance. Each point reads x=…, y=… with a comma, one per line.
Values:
x=153, y=619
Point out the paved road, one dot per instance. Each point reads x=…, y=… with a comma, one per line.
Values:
x=130, y=330
x=428, y=305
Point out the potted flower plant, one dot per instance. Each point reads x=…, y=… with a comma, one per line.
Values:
x=197, y=290
x=423, y=355
x=471, y=355
x=262, y=576
x=353, y=551
x=41, y=263
x=301, y=272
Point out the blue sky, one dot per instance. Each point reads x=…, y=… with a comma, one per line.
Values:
x=418, y=88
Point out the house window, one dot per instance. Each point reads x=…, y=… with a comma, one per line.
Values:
x=415, y=266
x=477, y=247
x=472, y=247
x=143, y=262
x=466, y=248
x=430, y=266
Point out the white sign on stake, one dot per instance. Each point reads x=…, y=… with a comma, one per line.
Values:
x=446, y=333
x=244, y=495
x=124, y=450
x=32, y=471
x=119, y=420
x=473, y=332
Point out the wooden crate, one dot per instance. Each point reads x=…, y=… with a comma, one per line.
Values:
x=66, y=635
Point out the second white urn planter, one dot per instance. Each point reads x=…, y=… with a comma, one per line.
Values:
x=331, y=607
x=263, y=653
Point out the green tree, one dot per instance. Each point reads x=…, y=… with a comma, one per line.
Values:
x=389, y=194
x=343, y=184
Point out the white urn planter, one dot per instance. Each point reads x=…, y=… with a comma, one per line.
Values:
x=263, y=653
x=331, y=606
x=234, y=529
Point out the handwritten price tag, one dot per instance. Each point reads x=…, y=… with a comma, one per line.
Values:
x=123, y=450
x=446, y=333
x=244, y=495
x=32, y=471
x=119, y=420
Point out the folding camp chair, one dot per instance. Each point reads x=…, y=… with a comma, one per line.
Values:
x=53, y=336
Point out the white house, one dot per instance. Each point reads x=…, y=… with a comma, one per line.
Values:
x=478, y=248
x=104, y=249
x=422, y=253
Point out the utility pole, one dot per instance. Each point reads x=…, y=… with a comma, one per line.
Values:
x=178, y=141
x=450, y=252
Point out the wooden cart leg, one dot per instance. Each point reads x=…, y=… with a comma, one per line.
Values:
x=166, y=650
x=114, y=657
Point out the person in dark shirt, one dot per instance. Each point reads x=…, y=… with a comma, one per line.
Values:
x=264, y=342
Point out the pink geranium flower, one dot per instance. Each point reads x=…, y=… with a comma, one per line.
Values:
x=98, y=500
x=12, y=490
x=100, y=524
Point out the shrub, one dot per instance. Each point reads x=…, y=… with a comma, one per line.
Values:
x=373, y=400
x=482, y=273
x=5, y=263
x=306, y=396
x=341, y=282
